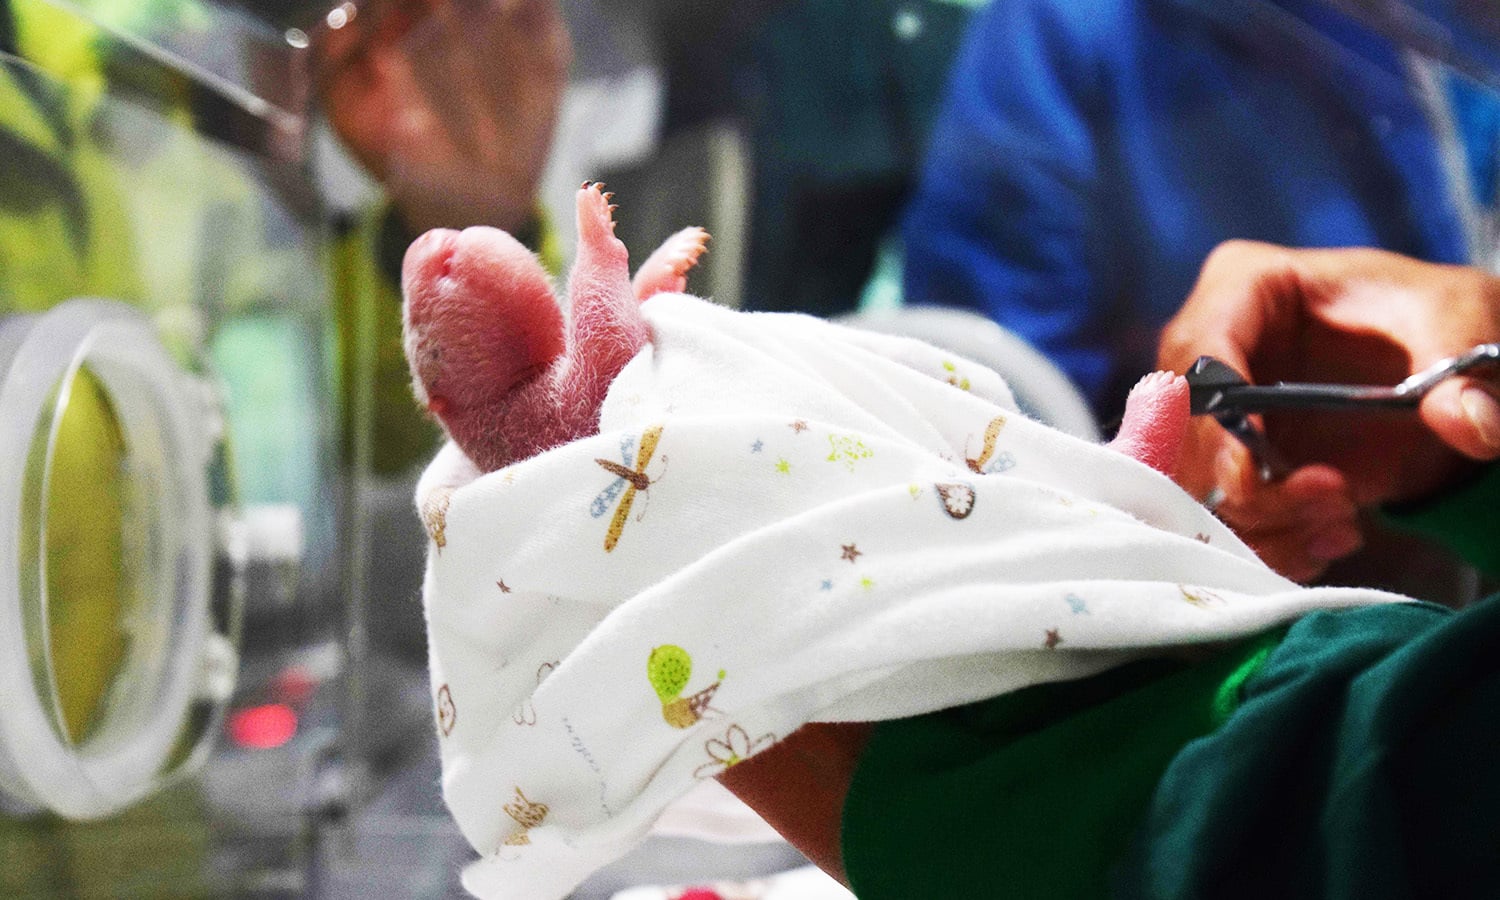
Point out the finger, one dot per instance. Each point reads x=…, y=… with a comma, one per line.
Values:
x=1243, y=293
x=1332, y=541
x=1302, y=549
x=1203, y=442
x=1286, y=557
x=1309, y=495
x=1298, y=525
x=445, y=55
x=1328, y=525
x=1303, y=554
x=1465, y=414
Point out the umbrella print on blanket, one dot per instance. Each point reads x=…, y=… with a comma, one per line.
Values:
x=630, y=479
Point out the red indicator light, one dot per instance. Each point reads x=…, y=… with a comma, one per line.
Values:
x=263, y=727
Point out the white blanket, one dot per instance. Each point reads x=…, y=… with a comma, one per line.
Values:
x=781, y=521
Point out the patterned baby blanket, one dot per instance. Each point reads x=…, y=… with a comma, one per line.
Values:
x=781, y=520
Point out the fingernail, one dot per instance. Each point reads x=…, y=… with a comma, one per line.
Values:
x=1483, y=413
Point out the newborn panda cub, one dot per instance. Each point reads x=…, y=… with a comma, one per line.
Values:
x=508, y=374
x=492, y=356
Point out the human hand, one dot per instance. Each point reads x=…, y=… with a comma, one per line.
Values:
x=1350, y=316
x=450, y=104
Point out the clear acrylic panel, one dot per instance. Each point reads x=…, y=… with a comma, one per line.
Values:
x=178, y=187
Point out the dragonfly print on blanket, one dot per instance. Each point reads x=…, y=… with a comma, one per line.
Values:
x=630, y=479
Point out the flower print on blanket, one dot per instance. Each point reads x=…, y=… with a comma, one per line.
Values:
x=730, y=750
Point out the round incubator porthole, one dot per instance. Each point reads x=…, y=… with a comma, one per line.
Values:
x=117, y=621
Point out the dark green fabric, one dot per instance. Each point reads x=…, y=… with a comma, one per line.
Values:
x=1463, y=520
x=1030, y=794
x=1359, y=761
x=1360, y=764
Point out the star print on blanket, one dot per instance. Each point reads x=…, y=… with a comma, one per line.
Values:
x=781, y=520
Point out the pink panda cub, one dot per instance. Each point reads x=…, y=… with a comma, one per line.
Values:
x=508, y=375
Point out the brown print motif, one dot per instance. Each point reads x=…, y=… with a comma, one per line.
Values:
x=685, y=712
x=1200, y=597
x=957, y=498
x=525, y=712
x=435, y=515
x=447, y=712
x=732, y=749
x=991, y=437
x=528, y=815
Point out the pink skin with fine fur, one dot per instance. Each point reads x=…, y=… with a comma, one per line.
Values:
x=492, y=357
x=1155, y=422
x=494, y=360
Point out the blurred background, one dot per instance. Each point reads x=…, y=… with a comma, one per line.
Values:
x=212, y=659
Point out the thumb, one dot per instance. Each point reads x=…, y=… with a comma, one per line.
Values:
x=1465, y=414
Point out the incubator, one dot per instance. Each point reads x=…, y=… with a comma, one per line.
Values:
x=211, y=642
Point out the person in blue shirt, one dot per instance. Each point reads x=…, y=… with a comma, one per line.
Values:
x=1089, y=156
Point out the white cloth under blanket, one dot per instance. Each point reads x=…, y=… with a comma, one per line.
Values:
x=782, y=520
